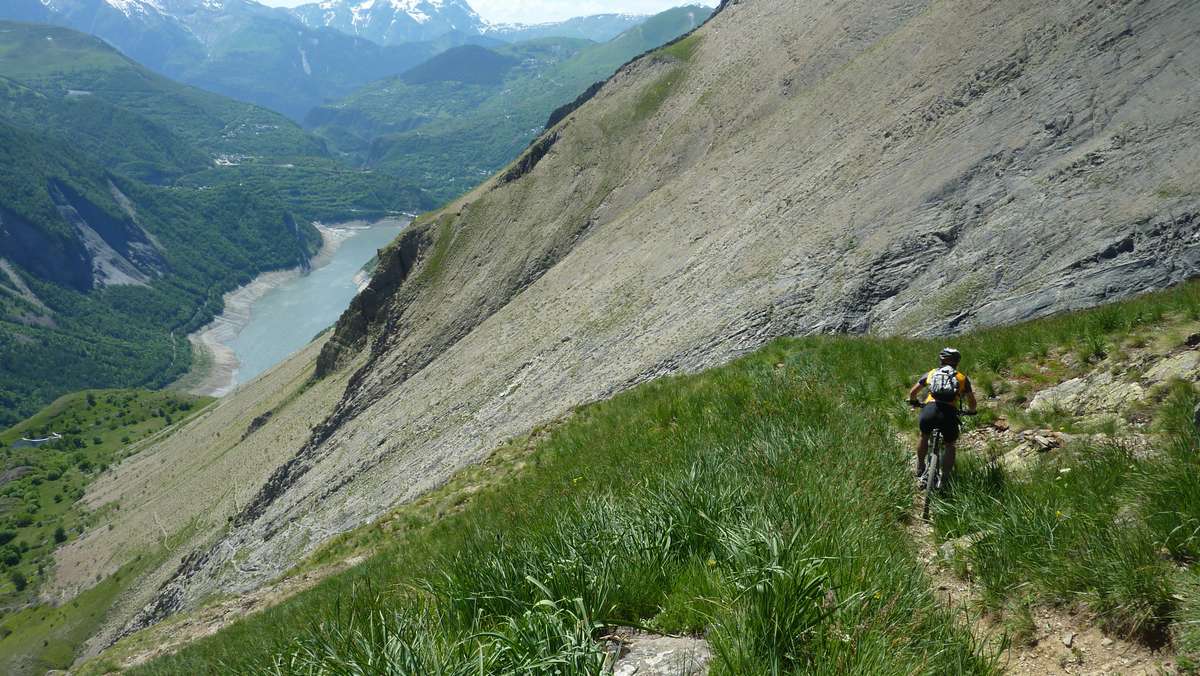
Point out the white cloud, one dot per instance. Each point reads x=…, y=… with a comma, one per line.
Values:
x=537, y=11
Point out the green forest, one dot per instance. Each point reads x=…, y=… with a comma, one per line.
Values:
x=199, y=193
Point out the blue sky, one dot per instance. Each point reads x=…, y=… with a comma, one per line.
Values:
x=535, y=11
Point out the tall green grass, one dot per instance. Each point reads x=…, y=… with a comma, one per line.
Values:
x=1094, y=526
x=761, y=503
x=746, y=502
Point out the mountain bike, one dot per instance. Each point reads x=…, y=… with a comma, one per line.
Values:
x=933, y=465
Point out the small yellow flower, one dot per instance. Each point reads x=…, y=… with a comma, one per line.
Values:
x=712, y=562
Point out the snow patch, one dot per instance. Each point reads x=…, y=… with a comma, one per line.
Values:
x=419, y=11
x=131, y=7
x=361, y=13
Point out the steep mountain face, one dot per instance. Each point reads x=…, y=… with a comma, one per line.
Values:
x=391, y=22
x=792, y=167
x=449, y=123
x=238, y=48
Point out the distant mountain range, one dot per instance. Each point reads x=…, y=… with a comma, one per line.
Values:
x=447, y=124
x=239, y=48
x=292, y=60
x=597, y=28
x=392, y=22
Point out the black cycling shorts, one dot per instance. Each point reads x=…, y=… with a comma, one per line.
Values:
x=944, y=417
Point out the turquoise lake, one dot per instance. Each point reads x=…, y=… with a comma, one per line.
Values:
x=289, y=316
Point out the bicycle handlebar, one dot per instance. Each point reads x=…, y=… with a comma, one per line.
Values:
x=918, y=404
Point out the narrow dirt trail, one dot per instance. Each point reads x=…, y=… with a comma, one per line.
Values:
x=1061, y=642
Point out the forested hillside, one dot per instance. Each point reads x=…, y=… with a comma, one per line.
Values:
x=104, y=277
x=452, y=121
x=129, y=204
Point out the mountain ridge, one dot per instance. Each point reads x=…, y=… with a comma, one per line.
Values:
x=240, y=48
x=597, y=28
x=390, y=22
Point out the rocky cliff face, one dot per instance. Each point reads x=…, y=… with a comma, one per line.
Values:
x=100, y=250
x=884, y=166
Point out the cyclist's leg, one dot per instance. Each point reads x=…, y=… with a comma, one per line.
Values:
x=927, y=422
x=950, y=430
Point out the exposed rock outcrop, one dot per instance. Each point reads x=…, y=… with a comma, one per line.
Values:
x=121, y=252
x=861, y=165
x=57, y=257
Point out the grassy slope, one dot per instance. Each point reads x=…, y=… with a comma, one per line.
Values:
x=99, y=428
x=39, y=510
x=42, y=637
x=761, y=502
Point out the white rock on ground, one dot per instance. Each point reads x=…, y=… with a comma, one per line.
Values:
x=642, y=654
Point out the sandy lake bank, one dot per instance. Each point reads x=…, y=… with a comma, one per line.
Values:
x=219, y=376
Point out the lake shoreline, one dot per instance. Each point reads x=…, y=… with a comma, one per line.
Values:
x=221, y=366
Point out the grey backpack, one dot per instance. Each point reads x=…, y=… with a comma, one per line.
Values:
x=943, y=384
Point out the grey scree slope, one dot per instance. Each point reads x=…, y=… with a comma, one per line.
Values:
x=892, y=166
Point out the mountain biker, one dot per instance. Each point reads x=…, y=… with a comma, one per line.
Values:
x=947, y=390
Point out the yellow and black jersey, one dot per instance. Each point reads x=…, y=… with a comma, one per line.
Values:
x=964, y=386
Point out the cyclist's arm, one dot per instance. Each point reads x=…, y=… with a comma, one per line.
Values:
x=916, y=389
x=970, y=397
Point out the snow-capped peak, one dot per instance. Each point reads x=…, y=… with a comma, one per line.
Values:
x=131, y=7
x=392, y=21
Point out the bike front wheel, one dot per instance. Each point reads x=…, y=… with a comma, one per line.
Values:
x=933, y=460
